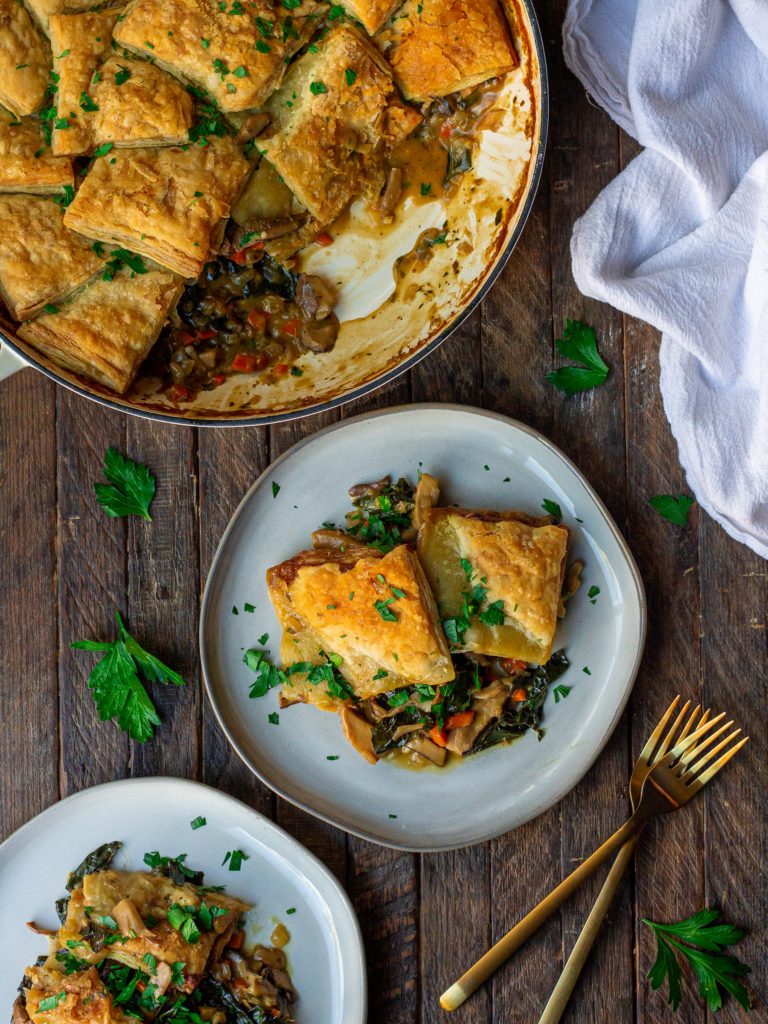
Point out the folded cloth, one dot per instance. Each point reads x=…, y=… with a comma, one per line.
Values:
x=680, y=237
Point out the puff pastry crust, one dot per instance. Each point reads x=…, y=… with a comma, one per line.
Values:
x=40, y=260
x=148, y=108
x=26, y=162
x=167, y=204
x=25, y=60
x=86, y=999
x=78, y=42
x=43, y=9
x=326, y=601
x=108, y=328
x=237, y=51
x=331, y=144
x=437, y=47
x=372, y=13
x=520, y=564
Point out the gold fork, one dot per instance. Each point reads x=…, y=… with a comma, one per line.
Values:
x=670, y=781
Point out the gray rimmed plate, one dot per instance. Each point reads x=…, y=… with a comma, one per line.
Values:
x=325, y=952
x=482, y=460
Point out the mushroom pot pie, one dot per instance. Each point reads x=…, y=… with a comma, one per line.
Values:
x=158, y=943
x=428, y=629
x=207, y=146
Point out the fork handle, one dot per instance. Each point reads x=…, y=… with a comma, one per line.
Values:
x=478, y=973
x=561, y=993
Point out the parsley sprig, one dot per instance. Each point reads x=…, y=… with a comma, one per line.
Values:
x=118, y=691
x=674, y=509
x=702, y=946
x=579, y=344
x=327, y=673
x=129, y=489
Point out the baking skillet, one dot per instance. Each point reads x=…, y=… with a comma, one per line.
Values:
x=393, y=311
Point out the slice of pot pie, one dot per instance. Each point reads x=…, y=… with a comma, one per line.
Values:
x=41, y=261
x=66, y=998
x=167, y=204
x=25, y=60
x=337, y=118
x=106, y=330
x=370, y=13
x=26, y=162
x=373, y=616
x=437, y=47
x=78, y=42
x=497, y=580
x=237, y=52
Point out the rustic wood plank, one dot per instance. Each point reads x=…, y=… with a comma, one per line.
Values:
x=453, y=373
x=734, y=615
x=590, y=427
x=92, y=567
x=29, y=733
x=163, y=586
x=229, y=462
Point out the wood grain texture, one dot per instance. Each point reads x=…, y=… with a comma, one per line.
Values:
x=66, y=567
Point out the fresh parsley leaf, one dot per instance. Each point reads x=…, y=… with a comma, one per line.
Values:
x=561, y=691
x=382, y=607
x=317, y=87
x=50, y=308
x=130, y=487
x=578, y=343
x=274, y=718
x=426, y=188
x=235, y=858
x=52, y=1002
x=87, y=103
x=197, y=822
x=552, y=508
x=275, y=489
x=118, y=692
x=702, y=945
x=102, y=150
x=398, y=699
x=493, y=614
x=674, y=509
x=350, y=76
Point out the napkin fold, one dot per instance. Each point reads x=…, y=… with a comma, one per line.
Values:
x=680, y=237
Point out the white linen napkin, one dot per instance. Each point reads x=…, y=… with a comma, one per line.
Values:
x=680, y=237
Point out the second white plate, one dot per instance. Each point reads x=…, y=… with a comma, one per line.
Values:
x=482, y=460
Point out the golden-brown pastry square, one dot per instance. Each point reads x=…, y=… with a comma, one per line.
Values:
x=437, y=47
x=370, y=13
x=25, y=60
x=237, y=51
x=26, y=161
x=376, y=614
x=148, y=107
x=520, y=566
x=43, y=9
x=41, y=261
x=106, y=330
x=85, y=999
x=337, y=118
x=167, y=204
x=78, y=42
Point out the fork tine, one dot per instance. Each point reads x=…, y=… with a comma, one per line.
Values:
x=670, y=740
x=695, y=769
x=653, y=739
x=693, y=738
x=713, y=769
x=699, y=748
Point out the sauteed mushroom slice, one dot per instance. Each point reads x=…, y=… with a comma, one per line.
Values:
x=358, y=732
x=425, y=497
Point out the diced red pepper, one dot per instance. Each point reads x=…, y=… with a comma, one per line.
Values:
x=459, y=720
x=244, y=363
x=324, y=238
x=519, y=694
x=512, y=667
x=179, y=393
x=281, y=368
x=142, y=986
x=257, y=318
x=206, y=335
x=185, y=337
x=291, y=327
x=237, y=939
x=438, y=736
x=239, y=257
x=445, y=131
x=217, y=378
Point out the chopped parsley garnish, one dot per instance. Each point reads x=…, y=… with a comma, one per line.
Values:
x=263, y=638
x=122, y=75
x=118, y=692
x=578, y=343
x=197, y=822
x=592, y=593
x=426, y=188
x=52, y=1002
x=274, y=718
x=241, y=71
x=561, y=691
x=130, y=486
x=382, y=607
x=275, y=489
x=381, y=516
x=102, y=150
x=674, y=509
x=50, y=308
x=332, y=757
x=472, y=606
x=262, y=47
x=87, y=103
x=235, y=858
x=269, y=675
x=249, y=607
x=350, y=75
x=316, y=88
x=493, y=615
x=552, y=508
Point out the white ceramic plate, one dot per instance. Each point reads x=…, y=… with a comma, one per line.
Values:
x=325, y=953
x=484, y=461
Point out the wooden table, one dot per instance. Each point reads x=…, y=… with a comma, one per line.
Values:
x=65, y=567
